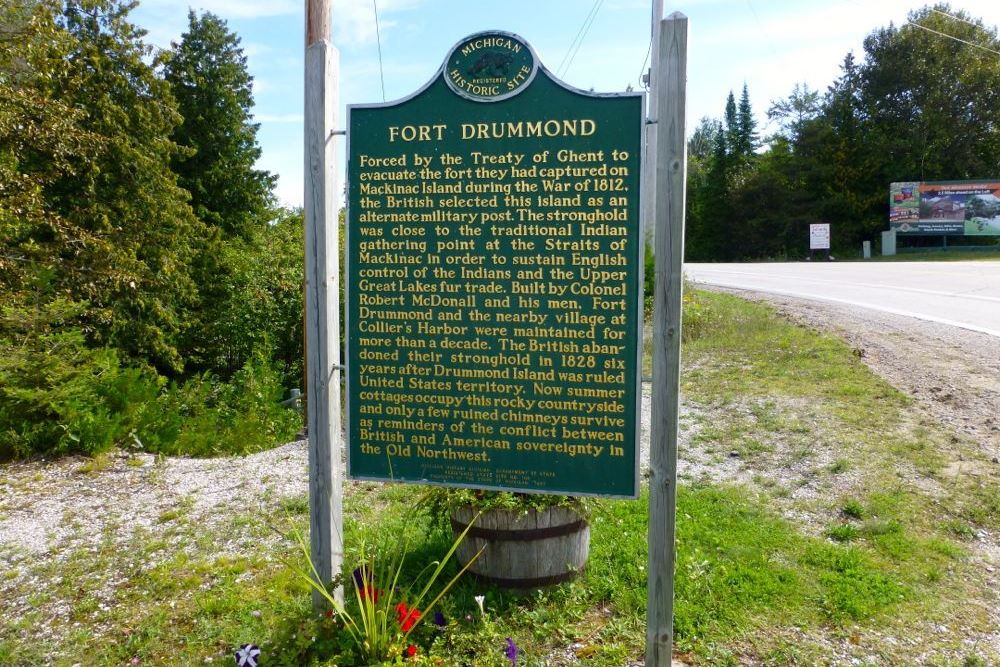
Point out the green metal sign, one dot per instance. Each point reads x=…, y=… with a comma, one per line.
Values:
x=494, y=280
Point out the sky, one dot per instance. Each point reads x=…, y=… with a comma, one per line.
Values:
x=768, y=44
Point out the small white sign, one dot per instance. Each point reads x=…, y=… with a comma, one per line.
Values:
x=819, y=236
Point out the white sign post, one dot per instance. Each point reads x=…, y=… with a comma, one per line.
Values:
x=819, y=236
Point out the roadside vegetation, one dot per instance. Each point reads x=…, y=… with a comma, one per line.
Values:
x=983, y=254
x=150, y=289
x=833, y=153
x=818, y=521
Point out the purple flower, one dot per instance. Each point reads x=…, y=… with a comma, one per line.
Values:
x=511, y=651
x=439, y=619
x=362, y=576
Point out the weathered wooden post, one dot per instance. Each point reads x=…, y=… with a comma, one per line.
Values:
x=671, y=172
x=322, y=267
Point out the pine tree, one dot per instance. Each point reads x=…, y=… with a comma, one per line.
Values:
x=207, y=72
x=747, y=140
x=732, y=135
x=714, y=238
x=792, y=113
x=140, y=287
x=208, y=75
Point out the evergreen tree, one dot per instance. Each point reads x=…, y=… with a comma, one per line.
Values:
x=140, y=287
x=794, y=111
x=731, y=139
x=699, y=160
x=712, y=239
x=208, y=76
x=747, y=140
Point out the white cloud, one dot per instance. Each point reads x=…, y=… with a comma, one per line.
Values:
x=254, y=49
x=236, y=8
x=278, y=118
x=354, y=20
x=289, y=189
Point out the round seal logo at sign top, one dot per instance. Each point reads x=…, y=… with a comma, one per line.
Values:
x=490, y=66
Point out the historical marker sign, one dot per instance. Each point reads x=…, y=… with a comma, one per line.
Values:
x=494, y=280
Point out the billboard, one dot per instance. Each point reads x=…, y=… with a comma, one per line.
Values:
x=953, y=208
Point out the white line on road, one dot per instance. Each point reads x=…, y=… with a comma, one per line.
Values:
x=893, y=288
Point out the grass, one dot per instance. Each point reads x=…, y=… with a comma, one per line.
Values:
x=752, y=585
x=741, y=569
x=986, y=253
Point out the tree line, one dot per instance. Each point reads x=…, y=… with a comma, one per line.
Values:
x=917, y=106
x=150, y=287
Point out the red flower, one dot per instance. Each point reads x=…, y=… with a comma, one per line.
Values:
x=410, y=651
x=370, y=592
x=406, y=617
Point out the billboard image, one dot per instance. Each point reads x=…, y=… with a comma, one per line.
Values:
x=970, y=208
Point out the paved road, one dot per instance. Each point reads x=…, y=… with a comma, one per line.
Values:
x=963, y=294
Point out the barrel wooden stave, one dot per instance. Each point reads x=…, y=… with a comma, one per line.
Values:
x=529, y=548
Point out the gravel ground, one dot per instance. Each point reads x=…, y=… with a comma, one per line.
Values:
x=49, y=503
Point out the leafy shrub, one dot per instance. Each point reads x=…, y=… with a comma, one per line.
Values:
x=206, y=417
x=697, y=316
x=56, y=394
x=59, y=396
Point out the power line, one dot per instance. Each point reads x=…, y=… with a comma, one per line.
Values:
x=378, y=39
x=761, y=28
x=593, y=10
x=643, y=81
x=943, y=34
x=583, y=36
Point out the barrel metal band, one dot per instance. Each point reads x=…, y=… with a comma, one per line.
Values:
x=523, y=535
x=537, y=582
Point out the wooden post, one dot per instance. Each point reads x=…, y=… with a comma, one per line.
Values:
x=322, y=298
x=671, y=172
x=649, y=149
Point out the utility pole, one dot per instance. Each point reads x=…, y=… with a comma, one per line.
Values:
x=649, y=131
x=322, y=268
x=671, y=172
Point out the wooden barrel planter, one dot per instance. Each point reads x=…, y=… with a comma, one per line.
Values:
x=523, y=548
